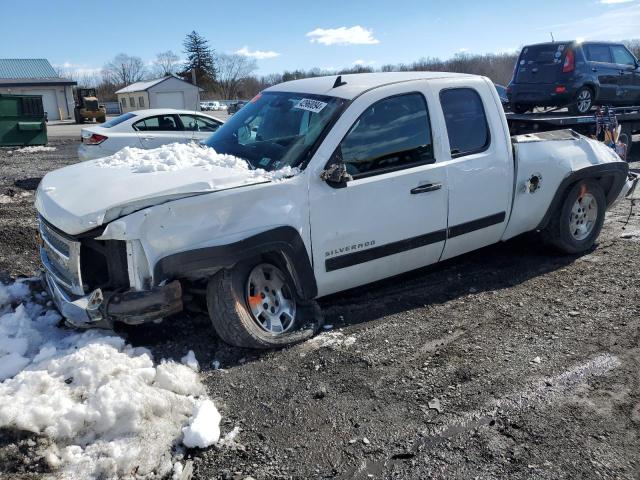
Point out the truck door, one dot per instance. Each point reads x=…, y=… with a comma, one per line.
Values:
x=627, y=74
x=479, y=170
x=391, y=217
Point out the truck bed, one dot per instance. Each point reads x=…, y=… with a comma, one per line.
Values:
x=519, y=124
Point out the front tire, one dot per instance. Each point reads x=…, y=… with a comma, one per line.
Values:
x=254, y=305
x=583, y=101
x=576, y=225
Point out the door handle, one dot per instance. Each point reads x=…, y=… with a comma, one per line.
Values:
x=148, y=137
x=429, y=187
x=594, y=69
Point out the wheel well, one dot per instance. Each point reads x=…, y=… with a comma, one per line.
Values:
x=282, y=244
x=610, y=177
x=594, y=90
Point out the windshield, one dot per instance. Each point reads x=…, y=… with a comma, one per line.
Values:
x=115, y=121
x=276, y=129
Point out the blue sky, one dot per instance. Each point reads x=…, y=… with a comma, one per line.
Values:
x=286, y=34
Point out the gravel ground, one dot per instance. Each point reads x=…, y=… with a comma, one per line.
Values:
x=509, y=362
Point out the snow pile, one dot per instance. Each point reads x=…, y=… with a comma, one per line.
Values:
x=199, y=432
x=36, y=149
x=179, y=156
x=104, y=407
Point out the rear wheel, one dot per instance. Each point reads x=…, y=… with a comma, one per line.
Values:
x=583, y=101
x=576, y=225
x=255, y=305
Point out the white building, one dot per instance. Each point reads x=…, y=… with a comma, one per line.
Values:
x=165, y=92
x=36, y=76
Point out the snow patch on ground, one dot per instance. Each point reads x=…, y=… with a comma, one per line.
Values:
x=35, y=149
x=13, y=198
x=179, y=156
x=105, y=408
x=199, y=434
x=331, y=340
x=191, y=361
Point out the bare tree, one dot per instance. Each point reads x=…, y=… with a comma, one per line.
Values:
x=232, y=71
x=166, y=63
x=124, y=70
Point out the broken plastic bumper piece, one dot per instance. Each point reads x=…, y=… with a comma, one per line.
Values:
x=100, y=309
x=631, y=185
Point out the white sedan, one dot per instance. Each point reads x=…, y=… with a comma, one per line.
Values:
x=145, y=129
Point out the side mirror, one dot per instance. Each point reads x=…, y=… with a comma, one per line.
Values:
x=336, y=175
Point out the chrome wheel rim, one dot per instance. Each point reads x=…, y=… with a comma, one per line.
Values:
x=584, y=214
x=584, y=101
x=270, y=299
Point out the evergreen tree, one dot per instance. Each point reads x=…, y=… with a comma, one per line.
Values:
x=200, y=58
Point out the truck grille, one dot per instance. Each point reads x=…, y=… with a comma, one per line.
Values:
x=60, y=257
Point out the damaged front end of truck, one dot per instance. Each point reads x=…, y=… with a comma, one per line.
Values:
x=88, y=280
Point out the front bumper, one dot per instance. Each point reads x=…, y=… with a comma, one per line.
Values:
x=100, y=309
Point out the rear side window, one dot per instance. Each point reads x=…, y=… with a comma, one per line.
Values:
x=622, y=56
x=391, y=134
x=159, y=123
x=598, y=53
x=466, y=121
x=118, y=120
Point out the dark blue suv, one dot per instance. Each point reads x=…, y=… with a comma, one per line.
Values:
x=574, y=74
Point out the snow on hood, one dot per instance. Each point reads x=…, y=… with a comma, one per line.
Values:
x=102, y=408
x=83, y=196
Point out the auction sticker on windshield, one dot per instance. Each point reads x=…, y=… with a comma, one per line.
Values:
x=310, y=105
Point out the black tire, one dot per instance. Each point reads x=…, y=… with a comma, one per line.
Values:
x=234, y=322
x=558, y=232
x=519, y=108
x=580, y=105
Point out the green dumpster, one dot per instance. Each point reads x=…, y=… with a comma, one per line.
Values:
x=22, y=120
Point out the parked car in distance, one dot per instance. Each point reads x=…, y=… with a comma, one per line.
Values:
x=145, y=129
x=235, y=106
x=576, y=75
x=204, y=106
x=351, y=180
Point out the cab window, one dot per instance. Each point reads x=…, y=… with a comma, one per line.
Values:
x=392, y=134
x=466, y=121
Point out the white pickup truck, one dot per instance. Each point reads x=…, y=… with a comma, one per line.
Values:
x=316, y=186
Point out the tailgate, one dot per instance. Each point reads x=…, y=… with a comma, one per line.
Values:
x=540, y=63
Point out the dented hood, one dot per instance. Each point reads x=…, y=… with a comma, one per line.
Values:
x=83, y=196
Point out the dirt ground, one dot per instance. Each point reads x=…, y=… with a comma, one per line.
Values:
x=509, y=362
